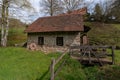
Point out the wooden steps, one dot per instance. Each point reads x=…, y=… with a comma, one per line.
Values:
x=92, y=60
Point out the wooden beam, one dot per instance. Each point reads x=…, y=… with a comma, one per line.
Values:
x=60, y=58
x=113, y=55
x=60, y=67
x=52, y=69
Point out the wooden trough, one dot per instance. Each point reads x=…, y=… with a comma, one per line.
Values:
x=93, y=54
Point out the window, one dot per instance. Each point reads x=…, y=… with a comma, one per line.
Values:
x=40, y=40
x=59, y=41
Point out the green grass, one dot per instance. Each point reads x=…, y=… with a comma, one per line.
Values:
x=117, y=57
x=116, y=25
x=71, y=71
x=22, y=64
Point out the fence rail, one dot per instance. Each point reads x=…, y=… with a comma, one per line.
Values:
x=53, y=64
x=92, y=53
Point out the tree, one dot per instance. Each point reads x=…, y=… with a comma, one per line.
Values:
x=106, y=10
x=51, y=7
x=71, y=5
x=0, y=7
x=6, y=4
x=98, y=12
x=4, y=26
x=116, y=10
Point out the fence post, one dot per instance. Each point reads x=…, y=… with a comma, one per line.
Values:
x=52, y=69
x=113, y=55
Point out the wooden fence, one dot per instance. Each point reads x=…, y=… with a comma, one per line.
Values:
x=89, y=50
x=53, y=64
x=93, y=53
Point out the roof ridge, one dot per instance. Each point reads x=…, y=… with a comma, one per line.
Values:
x=58, y=16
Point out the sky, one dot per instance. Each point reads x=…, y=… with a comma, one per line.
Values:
x=30, y=16
x=35, y=3
x=33, y=15
x=27, y=16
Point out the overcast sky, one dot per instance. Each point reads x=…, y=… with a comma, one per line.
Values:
x=31, y=16
x=35, y=3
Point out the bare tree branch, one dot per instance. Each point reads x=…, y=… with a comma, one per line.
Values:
x=51, y=7
x=71, y=5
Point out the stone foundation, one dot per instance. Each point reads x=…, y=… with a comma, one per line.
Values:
x=48, y=49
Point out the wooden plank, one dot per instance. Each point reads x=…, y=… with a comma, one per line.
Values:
x=89, y=56
x=60, y=58
x=108, y=54
x=52, y=69
x=113, y=61
x=99, y=53
x=97, y=57
x=59, y=68
x=86, y=46
x=104, y=60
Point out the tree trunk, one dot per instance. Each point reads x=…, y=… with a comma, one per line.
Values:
x=51, y=8
x=5, y=23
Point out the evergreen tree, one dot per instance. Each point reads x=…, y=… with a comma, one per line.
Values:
x=116, y=10
x=98, y=13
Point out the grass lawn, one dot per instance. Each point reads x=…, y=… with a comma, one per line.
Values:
x=21, y=64
x=117, y=57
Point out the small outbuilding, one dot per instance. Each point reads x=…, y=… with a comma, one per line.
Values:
x=57, y=33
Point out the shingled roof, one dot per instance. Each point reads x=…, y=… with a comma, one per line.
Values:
x=70, y=22
x=57, y=23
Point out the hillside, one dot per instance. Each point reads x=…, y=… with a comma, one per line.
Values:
x=16, y=32
x=104, y=34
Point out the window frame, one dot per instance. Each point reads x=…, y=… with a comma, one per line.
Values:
x=60, y=41
x=40, y=41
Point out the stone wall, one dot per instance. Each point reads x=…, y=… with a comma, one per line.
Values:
x=69, y=39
